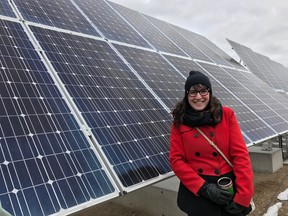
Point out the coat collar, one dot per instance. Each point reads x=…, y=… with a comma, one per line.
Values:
x=184, y=128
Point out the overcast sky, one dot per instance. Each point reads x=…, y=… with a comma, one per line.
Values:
x=261, y=25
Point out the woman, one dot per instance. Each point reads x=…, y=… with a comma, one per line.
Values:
x=197, y=164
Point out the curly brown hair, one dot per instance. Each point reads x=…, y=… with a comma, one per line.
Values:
x=181, y=107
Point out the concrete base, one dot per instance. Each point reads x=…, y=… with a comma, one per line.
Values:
x=154, y=200
x=265, y=161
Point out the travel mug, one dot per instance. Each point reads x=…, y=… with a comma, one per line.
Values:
x=226, y=184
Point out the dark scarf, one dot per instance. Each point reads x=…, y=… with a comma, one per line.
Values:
x=193, y=118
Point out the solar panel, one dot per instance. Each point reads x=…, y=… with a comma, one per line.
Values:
x=130, y=125
x=173, y=34
x=5, y=9
x=219, y=52
x=158, y=40
x=109, y=23
x=194, y=39
x=46, y=162
x=261, y=66
x=60, y=13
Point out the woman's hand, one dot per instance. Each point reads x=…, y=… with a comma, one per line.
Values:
x=212, y=192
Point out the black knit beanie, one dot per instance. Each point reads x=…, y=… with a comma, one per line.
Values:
x=196, y=77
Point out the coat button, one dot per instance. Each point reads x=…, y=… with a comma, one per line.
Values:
x=217, y=172
x=197, y=154
x=215, y=154
x=196, y=135
x=200, y=170
x=211, y=134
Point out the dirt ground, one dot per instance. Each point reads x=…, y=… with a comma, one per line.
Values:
x=267, y=188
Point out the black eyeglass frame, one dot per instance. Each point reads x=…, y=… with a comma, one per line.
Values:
x=202, y=92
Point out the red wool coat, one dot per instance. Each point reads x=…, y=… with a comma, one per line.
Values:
x=191, y=155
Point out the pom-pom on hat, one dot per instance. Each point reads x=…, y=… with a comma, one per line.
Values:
x=196, y=77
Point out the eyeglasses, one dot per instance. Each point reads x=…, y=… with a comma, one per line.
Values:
x=202, y=92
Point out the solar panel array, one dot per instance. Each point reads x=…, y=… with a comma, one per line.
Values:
x=86, y=91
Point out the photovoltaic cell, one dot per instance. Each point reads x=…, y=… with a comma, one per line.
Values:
x=60, y=13
x=129, y=124
x=110, y=23
x=158, y=40
x=46, y=162
x=5, y=9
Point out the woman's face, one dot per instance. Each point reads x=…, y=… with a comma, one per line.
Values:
x=198, y=97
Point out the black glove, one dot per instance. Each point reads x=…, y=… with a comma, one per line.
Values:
x=247, y=210
x=212, y=192
x=235, y=208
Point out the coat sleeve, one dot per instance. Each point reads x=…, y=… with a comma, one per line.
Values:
x=182, y=170
x=241, y=162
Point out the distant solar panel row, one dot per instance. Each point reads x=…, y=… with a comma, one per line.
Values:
x=269, y=71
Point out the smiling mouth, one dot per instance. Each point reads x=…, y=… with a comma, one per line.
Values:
x=198, y=102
